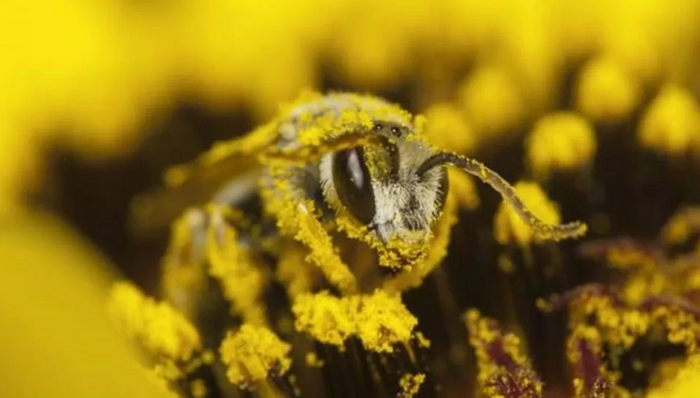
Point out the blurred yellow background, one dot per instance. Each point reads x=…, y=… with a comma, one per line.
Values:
x=88, y=75
x=98, y=70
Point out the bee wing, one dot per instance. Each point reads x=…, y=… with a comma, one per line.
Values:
x=229, y=166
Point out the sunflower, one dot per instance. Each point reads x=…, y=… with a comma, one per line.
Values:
x=591, y=111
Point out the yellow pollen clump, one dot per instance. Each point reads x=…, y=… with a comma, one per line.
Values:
x=447, y=129
x=160, y=384
x=627, y=259
x=410, y=384
x=313, y=360
x=588, y=338
x=324, y=317
x=605, y=92
x=492, y=102
x=242, y=280
x=692, y=280
x=397, y=253
x=509, y=228
x=560, y=141
x=155, y=326
x=619, y=327
x=590, y=335
x=252, y=354
x=682, y=327
x=294, y=272
x=479, y=328
x=423, y=341
x=379, y=320
x=681, y=226
x=513, y=347
x=198, y=389
x=671, y=124
x=485, y=332
x=168, y=370
x=644, y=284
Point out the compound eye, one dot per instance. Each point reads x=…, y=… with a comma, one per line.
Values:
x=352, y=182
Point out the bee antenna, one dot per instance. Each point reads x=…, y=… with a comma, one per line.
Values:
x=543, y=230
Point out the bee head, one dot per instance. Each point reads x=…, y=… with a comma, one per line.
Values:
x=380, y=185
x=398, y=187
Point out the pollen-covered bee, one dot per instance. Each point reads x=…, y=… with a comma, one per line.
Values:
x=340, y=163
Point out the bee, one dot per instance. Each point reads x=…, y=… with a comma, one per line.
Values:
x=341, y=162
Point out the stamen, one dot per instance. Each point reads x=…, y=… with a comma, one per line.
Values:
x=252, y=354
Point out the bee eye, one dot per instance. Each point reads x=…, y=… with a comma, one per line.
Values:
x=352, y=182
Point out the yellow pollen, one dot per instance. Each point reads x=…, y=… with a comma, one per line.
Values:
x=447, y=129
x=324, y=317
x=605, y=92
x=560, y=141
x=379, y=320
x=155, y=326
x=252, y=354
x=235, y=267
x=313, y=360
x=671, y=124
x=492, y=103
x=410, y=384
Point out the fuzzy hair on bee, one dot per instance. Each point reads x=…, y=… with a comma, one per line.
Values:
x=340, y=162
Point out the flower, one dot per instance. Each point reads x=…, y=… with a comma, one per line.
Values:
x=560, y=141
x=670, y=124
x=606, y=92
x=592, y=107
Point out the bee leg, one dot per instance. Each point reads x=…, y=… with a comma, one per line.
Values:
x=298, y=218
x=257, y=232
x=184, y=269
x=186, y=281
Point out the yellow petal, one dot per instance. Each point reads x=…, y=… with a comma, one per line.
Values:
x=56, y=340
